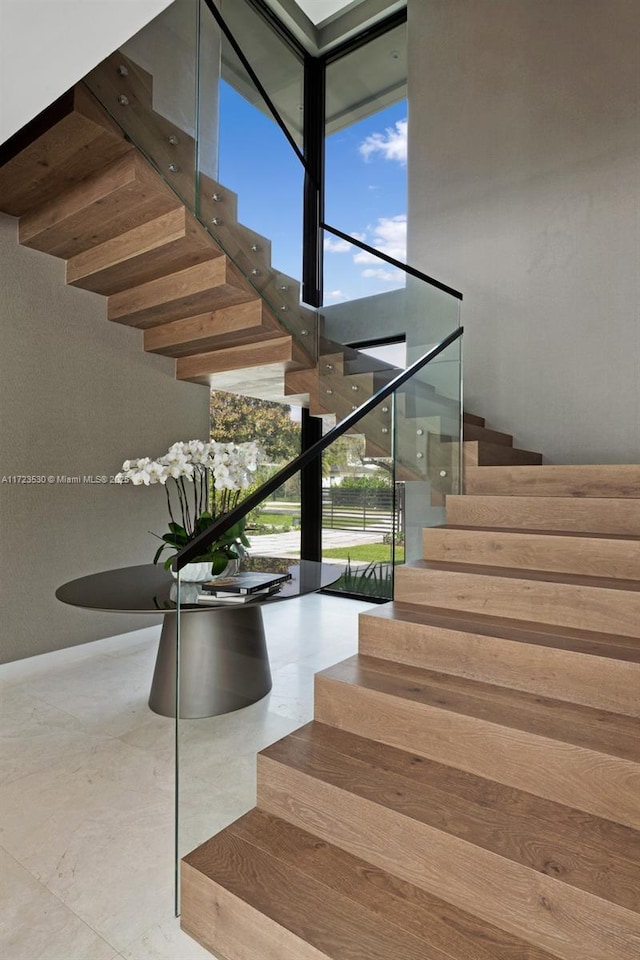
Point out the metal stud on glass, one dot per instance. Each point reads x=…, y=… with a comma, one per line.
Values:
x=122, y=70
x=304, y=333
x=443, y=473
x=354, y=387
x=174, y=168
x=385, y=409
x=420, y=456
x=255, y=247
x=217, y=197
x=329, y=392
x=284, y=308
x=173, y=140
x=329, y=366
x=216, y=221
x=123, y=101
x=255, y=272
x=385, y=429
x=420, y=433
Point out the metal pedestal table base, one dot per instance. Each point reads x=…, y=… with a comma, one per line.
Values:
x=224, y=664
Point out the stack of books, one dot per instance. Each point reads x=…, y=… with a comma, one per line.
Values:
x=242, y=588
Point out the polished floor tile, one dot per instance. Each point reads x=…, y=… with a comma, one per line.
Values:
x=36, y=925
x=88, y=784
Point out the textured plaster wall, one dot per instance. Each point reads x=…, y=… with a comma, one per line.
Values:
x=524, y=193
x=77, y=396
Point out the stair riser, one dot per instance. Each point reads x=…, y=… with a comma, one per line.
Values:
x=488, y=885
x=579, y=777
x=556, y=481
x=567, y=605
x=232, y=928
x=111, y=202
x=594, y=681
x=244, y=323
x=480, y=453
x=206, y=287
x=157, y=248
x=529, y=551
x=583, y=515
x=80, y=142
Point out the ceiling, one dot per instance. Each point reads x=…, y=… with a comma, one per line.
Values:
x=320, y=10
x=322, y=24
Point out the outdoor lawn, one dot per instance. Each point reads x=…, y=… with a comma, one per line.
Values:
x=367, y=552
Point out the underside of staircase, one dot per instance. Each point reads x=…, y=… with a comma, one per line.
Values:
x=470, y=786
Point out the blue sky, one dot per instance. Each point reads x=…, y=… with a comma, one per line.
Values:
x=366, y=192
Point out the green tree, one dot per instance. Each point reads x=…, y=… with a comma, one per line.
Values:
x=239, y=419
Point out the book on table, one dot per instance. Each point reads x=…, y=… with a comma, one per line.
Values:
x=240, y=598
x=243, y=583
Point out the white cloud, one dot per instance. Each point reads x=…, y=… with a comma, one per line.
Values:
x=391, y=145
x=389, y=235
x=336, y=246
x=378, y=273
x=336, y=295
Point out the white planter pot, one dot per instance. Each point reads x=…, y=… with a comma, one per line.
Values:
x=200, y=572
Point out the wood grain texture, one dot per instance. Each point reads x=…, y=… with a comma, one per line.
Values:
x=523, y=902
x=581, y=514
x=557, y=751
x=166, y=244
x=205, y=287
x=597, y=555
x=473, y=432
x=591, y=603
x=402, y=909
x=227, y=924
x=578, y=480
x=591, y=854
x=596, y=670
x=77, y=139
x=242, y=323
x=481, y=453
x=112, y=201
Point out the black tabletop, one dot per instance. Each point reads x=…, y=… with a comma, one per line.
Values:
x=151, y=589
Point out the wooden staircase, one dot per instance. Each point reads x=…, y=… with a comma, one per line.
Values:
x=470, y=786
x=214, y=303
x=84, y=193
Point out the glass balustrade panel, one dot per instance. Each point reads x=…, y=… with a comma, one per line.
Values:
x=428, y=449
x=251, y=180
x=149, y=86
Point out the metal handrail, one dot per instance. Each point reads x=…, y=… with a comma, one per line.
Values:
x=412, y=271
x=222, y=524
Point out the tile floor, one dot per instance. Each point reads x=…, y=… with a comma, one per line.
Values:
x=87, y=784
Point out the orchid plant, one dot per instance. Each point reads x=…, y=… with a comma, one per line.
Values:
x=203, y=481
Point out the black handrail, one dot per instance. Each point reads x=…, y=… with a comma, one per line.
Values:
x=394, y=263
x=195, y=547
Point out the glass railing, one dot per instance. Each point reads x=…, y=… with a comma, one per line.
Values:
x=187, y=98
x=358, y=496
x=227, y=653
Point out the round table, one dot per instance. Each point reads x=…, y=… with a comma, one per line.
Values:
x=223, y=657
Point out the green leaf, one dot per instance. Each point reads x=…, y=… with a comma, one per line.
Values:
x=159, y=551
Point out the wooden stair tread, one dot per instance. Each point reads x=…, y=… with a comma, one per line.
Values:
x=399, y=909
x=166, y=244
x=597, y=730
x=616, y=556
x=550, y=838
x=564, y=514
x=571, y=534
x=67, y=142
x=605, y=583
x=573, y=480
x=592, y=643
x=113, y=200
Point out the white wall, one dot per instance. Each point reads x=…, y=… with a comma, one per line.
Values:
x=78, y=395
x=524, y=193
x=48, y=45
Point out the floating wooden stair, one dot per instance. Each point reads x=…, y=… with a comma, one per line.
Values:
x=85, y=194
x=470, y=786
